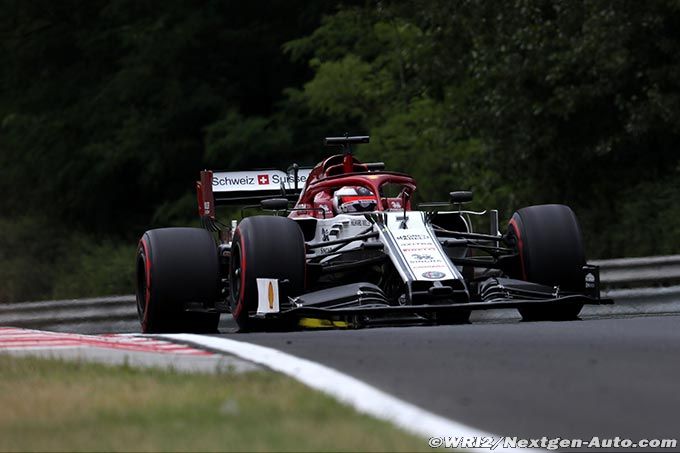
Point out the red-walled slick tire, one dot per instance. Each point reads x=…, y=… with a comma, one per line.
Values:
x=176, y=266
x=264, y=247
x=550, y=252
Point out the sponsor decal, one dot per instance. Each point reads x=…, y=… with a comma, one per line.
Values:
x=261, y=180
x=267, y=295
x=413, y=237
x=590, y=281
x=277, y=179
x=434, y=275
x=226, y=181
x=270, y=296
x=325, y=233
x=422, y=257
x=419, y=249
x=256, y=180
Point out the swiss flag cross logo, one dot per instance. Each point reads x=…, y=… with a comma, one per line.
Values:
x=262, y=179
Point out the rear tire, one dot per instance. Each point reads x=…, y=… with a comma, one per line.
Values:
x=264, y=247
x=176, y=266
x=550, y=248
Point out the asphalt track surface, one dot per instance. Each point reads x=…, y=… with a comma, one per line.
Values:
x=598, y=377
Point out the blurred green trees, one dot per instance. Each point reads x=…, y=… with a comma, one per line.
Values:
x=109, y=108
x=525, y=102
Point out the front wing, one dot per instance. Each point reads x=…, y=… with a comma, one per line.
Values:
x=362, y=315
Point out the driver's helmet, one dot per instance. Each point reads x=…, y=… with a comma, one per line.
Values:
x=354, y=199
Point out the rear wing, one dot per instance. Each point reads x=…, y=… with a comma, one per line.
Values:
x=246, y=187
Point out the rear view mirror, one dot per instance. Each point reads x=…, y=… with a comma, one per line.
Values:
x=461, y=196
x=275, y=204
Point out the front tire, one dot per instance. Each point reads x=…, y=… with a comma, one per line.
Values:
x=176, y=266
x=264, y=247
x=550, y=252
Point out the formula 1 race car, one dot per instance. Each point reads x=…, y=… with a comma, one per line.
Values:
x=346, y=248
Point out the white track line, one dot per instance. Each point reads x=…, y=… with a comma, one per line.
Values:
x=351, y=391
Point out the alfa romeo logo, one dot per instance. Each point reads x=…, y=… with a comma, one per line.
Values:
x=435, y=275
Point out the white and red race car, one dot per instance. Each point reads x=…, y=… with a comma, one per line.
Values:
x=345, y=247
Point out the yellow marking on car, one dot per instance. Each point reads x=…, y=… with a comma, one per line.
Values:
x=270, y=295
x=316, y=323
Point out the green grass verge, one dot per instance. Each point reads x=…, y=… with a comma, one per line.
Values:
x=50, y=405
